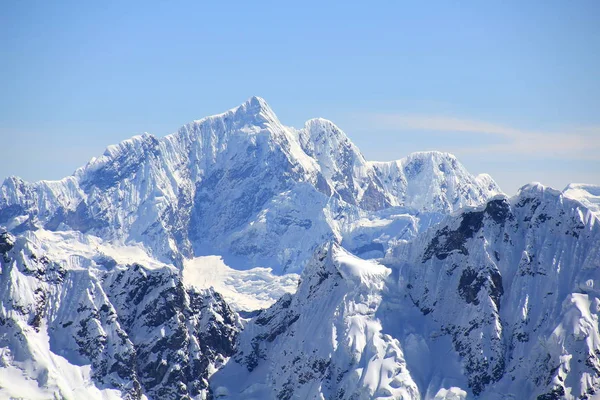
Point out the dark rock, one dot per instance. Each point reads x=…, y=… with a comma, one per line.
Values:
x=498, y=210
x=7, y=242
x=469, y=286
x=555, y=394
x=446, y=241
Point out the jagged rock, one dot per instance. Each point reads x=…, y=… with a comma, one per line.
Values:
x=139, y=329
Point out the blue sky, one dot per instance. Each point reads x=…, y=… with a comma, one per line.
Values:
x=512, y=88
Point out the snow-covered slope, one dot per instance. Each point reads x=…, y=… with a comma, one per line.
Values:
x=247, y=290
x=237, y=185
x=514, y=284
x=588, y=195
x=498, y=301
x=76, y=326
x=342, y=165
x=323, y=342
x=433, y=181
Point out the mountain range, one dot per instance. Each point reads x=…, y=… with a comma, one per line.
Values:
x=239, y=258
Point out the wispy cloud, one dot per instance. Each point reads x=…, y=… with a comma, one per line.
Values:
x=578, y=142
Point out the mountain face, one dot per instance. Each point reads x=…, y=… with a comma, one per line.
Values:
x=325, y=341
x=588, y=195
x=140, y=276
x=495, y=302
x=513, y=284
x=434, y=182
x=237, y=184
x=94, y=327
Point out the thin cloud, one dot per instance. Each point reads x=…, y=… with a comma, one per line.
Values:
x=582, y=143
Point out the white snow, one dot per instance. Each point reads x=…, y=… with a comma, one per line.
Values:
x=247, y=290
x=69, y=247
x=239, y=190
x=588, y=195
x=545, y=252
x=47, y=375
x=336, y=327
x=358, y=270
x=433, y=181
x=452, y=393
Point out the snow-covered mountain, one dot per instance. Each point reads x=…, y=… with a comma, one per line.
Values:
x=75, y=327
x=433, y=181
x=514, y=285
x=238, y=185
x=588, y=195
x=325, y=341
x=164, y=270
x=499, y=301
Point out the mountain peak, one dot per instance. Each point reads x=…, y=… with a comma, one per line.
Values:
x=257, y=102
x=319, y=122
x=431, y=155
x=322, y=130
x=256, y=106
x=586, y=194
x=255, y=111
x=535, y=188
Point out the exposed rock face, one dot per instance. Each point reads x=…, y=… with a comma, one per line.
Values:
x=499, y=300
x=500, y=280
x=140, y=330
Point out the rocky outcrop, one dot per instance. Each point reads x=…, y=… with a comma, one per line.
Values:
x=141, y=331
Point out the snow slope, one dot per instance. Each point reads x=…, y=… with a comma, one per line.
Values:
x=433, y=181
x=82, y=324
x=588, y=195
x=513, y=284
x=322, y=342
x=248, y=290
x=497, y=301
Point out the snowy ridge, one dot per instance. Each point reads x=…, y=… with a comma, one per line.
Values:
x=433, y=181
x=343, y=166
x=322, y=342
x=230, y=183
x=513, y=284
x=588, y=195
x=495, y=301
x=166, y=269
